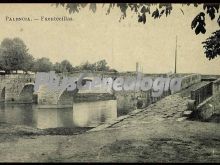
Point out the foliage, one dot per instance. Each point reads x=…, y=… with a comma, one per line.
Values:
x=97, y=66
x=64, y=66
x=145, y=8
x=57, y=67
x=101, y=66
x=142, y=9
x=87, y=66
x=199, y=23
x=212, y=45
x=42, y=65
x=14, y=55
x=28, y=63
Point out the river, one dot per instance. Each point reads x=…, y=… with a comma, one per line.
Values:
x=85, y=114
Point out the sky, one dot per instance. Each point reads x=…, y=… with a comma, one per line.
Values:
x=96, y=36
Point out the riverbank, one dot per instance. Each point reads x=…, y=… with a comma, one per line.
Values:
x=9, y=132
x=156, y=140
x=153, y=134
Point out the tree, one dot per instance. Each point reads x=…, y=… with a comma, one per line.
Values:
x=66, y=66
x=87, y=66
x=57, y=67
x=141, y=9
x=28, y=63
x=97, y=66
x=14, y=55
x=101, y=66
x=212, y=45
x=42, y=65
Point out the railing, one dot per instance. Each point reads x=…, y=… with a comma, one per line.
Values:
x=216, y=86
x=202, y=93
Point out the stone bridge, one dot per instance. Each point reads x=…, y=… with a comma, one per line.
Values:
x=54, y=98
x=60, y=97
x=19, y=88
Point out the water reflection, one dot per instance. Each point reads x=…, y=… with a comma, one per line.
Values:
x=92, y=114
x=88, y=114
x=17, y=114
x=52, y=118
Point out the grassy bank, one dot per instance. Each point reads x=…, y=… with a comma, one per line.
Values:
x=143, y=141
x=11, y=132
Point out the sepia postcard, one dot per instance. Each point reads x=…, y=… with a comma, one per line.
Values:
x=110, y=82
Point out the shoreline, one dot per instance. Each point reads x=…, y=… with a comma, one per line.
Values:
x=152, y=141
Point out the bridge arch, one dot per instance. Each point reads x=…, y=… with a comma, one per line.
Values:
x=26, y=94
x=65, y=97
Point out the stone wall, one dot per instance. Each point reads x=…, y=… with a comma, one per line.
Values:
x=127, y=100
x=209, y=109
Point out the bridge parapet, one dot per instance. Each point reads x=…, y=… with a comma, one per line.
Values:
x=216, y=86
x=189, y=80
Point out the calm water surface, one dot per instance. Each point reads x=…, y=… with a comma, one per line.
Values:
x=86, y=114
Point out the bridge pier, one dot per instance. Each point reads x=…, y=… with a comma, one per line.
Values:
x=2, y=95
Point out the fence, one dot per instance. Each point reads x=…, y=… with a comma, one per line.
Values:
x=202, y=93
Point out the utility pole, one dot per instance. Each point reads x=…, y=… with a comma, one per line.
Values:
x=175, y=56
x=137, y=74
x=112, y=51
x=137, y=67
